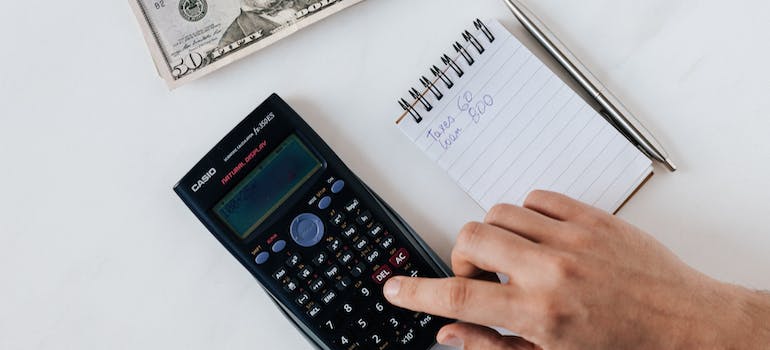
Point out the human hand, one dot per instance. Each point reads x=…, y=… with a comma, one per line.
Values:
x=579, y=279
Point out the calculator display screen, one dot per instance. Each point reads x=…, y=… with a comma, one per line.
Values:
x=268, y=186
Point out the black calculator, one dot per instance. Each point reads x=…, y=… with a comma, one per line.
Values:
x=319, y=241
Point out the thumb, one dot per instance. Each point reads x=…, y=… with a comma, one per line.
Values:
x=472, y=337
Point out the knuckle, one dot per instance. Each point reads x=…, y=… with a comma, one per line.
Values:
x=468, y=237
x=553, y=316
x=581, y=239
x=460, y=264
x=496, y=212
x=457, y=296
x=455, y=258
x=538, y=197
x=563, y=267
x=596, y=221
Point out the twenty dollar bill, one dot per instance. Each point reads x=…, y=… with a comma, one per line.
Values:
x=191, y=38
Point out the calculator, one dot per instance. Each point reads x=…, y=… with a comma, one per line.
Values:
x=318, y=240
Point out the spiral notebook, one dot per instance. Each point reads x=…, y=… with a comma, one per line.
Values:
x=502, y=124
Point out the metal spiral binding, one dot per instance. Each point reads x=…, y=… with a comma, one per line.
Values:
x=421, y=98
x=475, y=42
x=452, y=64
x=413, y=112
x=441, y=74
x=483, y=28
x=463, y=52
x=432, y=88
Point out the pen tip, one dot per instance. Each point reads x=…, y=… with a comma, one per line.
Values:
x=670, y=165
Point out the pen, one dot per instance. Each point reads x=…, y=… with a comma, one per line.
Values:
x=611, y=113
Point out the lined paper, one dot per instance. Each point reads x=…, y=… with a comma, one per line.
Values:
x=509, y=125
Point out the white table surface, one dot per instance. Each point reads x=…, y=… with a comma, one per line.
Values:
x=96, y=252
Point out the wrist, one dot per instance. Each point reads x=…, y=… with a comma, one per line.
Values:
x=723, y=316
x=755, y=309
x=742, y=321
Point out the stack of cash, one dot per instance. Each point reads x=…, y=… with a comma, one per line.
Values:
x=191, y=38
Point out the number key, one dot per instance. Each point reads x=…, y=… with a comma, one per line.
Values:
x=329, y=325
x=379, y=307
x=393, y=323
x=364, y=292
x=348, y=308
x=376, y=339
x=344, y=340
x=361, y=324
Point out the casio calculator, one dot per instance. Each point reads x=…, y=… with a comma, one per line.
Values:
x=318, y=240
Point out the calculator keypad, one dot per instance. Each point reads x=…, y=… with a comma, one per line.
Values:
x=338, y=280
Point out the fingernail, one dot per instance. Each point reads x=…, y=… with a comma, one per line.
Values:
x=452, y=341
x=392, y=287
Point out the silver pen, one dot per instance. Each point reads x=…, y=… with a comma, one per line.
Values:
x=611, y=113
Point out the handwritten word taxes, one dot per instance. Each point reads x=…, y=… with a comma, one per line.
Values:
x=447, y=131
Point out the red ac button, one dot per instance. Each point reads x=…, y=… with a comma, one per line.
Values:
x=400, y=258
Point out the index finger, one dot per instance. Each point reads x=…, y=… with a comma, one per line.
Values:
x=465, y=299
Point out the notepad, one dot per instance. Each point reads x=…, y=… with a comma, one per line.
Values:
x=502, y=124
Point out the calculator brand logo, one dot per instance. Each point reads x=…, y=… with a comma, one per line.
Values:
x=204, y=179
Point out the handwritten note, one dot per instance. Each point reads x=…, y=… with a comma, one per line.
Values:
x=510, y=125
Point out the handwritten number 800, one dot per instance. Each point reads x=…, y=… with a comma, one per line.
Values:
x=475, y=109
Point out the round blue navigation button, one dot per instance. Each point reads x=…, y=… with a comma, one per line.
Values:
x=279, y=246
x=337, y=186
x=262, y=258
x=307, y=230
x=324, y=203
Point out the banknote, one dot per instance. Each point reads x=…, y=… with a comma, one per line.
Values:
x=191, y=38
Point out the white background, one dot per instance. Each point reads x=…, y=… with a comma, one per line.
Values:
x=96, y=252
